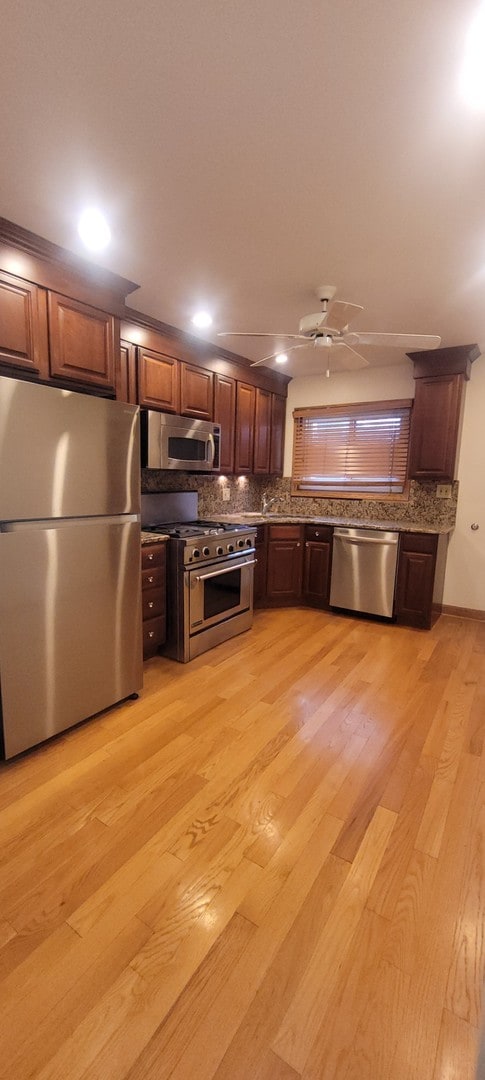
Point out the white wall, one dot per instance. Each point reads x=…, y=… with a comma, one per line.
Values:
x=465, y=570
x=465, y=567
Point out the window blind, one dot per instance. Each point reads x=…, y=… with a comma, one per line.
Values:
x=351, y=448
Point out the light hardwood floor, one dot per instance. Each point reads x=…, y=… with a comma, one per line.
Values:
x=270, y=866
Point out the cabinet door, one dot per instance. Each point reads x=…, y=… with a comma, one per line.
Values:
x=262, y=431
x=435, y=427
x=245, y=401
x=316, y=565
x=196, y=392
x=225, y=415
x=260, y=570
x=154, y=597
x=82, y=342
x=278, y=418
x=23, y=326
x=415, y=580
x=284, y=576
x=158, y=381
x=125, y=373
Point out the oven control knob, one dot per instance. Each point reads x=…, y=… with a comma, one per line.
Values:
x=219, y=550
x=206, y=551
x=196, y=553
x=230, y=547
x=240, y=543
x=249, y=542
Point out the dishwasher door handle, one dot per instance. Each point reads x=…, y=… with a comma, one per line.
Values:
x=362, y=540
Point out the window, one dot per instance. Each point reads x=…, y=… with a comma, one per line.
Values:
x=351, y=450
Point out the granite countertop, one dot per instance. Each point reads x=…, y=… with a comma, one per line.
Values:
x=350, y=523
x=152, y=538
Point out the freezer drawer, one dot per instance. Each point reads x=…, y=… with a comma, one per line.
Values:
x=364, y=565
x=70, y=625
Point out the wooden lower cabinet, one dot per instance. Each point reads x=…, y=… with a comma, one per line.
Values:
x=317, y=557
x=294, y=567
x=153, y=597
x=285, y=567
x=416, y=572
x=260, y=570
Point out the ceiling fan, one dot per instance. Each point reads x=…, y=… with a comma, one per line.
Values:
x=329, y=329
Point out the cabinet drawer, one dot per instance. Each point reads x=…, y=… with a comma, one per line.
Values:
x=285, y=532
x=422, y=542
x=154, y=578
x=153, y=603
x=153, y=635
x=318, y=532
x=153, y=555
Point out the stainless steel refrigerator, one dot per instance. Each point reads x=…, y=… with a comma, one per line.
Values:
x=70, y=603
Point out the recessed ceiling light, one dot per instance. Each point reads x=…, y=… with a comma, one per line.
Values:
x=281, y=358
x=94, y=230
x=472, y=82
x=201, y=319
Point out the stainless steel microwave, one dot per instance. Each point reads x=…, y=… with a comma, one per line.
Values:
x=177, y=442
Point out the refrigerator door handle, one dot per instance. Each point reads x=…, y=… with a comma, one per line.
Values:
x=61, y=523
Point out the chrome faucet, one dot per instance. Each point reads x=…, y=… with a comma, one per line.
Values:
x=266, y=503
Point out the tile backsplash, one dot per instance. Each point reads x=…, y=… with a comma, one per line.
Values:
x=422, y=507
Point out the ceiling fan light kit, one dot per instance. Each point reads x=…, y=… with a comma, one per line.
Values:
x=328, y=329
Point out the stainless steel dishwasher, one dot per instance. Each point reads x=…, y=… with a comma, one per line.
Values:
x=364, y=565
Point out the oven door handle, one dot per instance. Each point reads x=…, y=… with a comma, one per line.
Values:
x=229, y=570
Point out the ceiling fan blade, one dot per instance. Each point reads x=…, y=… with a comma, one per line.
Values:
x=243, y=333
x=292, y=348
x=340, y=313
x=353, y=359
x=400, y=341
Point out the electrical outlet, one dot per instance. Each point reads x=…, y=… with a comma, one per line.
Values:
x=443, y=491
x=226, y=494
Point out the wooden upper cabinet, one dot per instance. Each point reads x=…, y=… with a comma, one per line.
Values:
x=278, y=419
x=196, y=392
x=435, y=427
x=244, y=443
x=158, y=381
x=126, y=373
x=83, y=342
x=262, y=431
x=23, y=326
x=225, y=415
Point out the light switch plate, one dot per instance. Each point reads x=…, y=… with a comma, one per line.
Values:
x=226, y=494
x=443, y=491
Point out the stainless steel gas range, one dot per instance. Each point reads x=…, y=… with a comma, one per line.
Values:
x=210, y=577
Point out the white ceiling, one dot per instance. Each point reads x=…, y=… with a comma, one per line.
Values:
x=246, y=151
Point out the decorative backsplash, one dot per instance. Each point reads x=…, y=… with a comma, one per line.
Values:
x=422, y=508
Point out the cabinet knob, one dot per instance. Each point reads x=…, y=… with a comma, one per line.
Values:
x=475, y=526
x=298, y=545
x=150, y=555
x=151, y=578
x=150, y=603
x=151, y=633
x=317, y=532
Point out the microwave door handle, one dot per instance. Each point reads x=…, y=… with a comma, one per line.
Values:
x=212, y=449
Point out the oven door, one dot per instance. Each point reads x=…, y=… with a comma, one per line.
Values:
x=219, y=591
